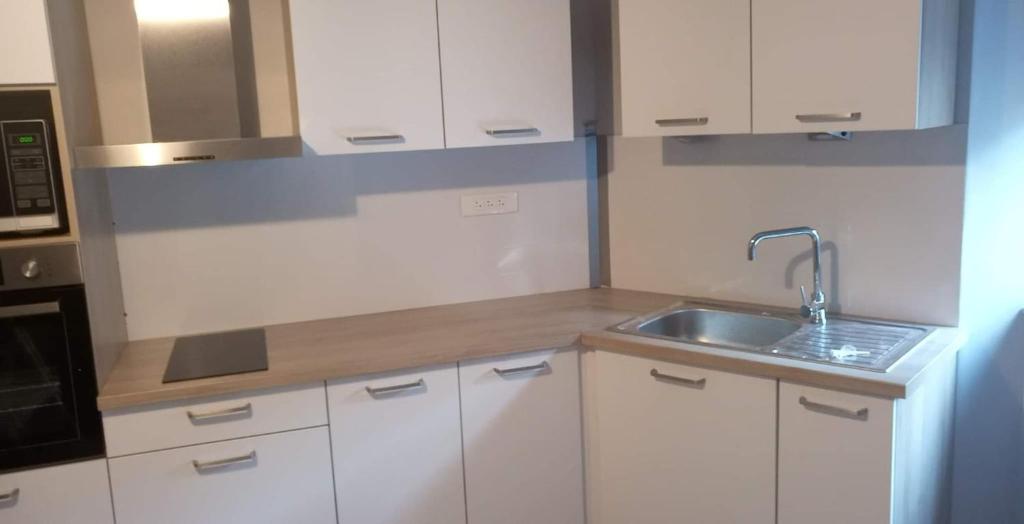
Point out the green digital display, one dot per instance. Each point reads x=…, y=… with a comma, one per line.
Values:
x=26, y=139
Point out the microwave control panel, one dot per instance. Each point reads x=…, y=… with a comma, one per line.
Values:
x=31, y=192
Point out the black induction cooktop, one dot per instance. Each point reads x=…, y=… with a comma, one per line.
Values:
x=217, y=354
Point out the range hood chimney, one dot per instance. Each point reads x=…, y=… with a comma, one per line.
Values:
x=183, y=81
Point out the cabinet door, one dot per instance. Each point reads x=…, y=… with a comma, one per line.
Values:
x=818, y=65
x=398, y=448
x=507, y=71
x=25, y=43
x=283, y=477
x=672, y=443
x=367, y=75
x=522, y=442
x=835, y=457
x=77, y=492
x=685, y=67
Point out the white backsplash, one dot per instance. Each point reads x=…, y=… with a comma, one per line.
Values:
x=888, y=206
x=224, y=246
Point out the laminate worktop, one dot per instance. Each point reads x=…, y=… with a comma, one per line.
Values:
x=366, y=344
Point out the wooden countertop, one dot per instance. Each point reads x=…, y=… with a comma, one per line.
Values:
x=360, y=345
x=365, y=344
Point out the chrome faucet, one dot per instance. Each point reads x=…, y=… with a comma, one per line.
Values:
x=815, y=308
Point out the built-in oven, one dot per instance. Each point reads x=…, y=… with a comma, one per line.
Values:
x=48, y=390
x=31, y=186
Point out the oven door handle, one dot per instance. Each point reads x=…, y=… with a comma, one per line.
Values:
x=27, y=310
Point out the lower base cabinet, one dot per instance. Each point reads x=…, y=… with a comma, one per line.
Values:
x=669, y=443
x=522, y=439
x=398, y=448
x=281, y=477
x=78, y=493
x=835, y=457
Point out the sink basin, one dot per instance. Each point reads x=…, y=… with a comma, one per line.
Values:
x=856, y=343
x=723, y=328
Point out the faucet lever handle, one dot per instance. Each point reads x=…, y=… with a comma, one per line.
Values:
x=805, y=308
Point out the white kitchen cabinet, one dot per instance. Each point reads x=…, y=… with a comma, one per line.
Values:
x=397, y=445
x=854, y=459
x=282, y=477
x=673, y=443
x=25, y=43
x=195, y=421
x=506, y=70
x=367, y=74
x=521, y=437
x=866, y=65
x=835, y=457
x=685, y=67
x=78, y=492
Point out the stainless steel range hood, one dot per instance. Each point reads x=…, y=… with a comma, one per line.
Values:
x=183, y=81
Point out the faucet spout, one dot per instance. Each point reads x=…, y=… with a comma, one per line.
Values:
x=815, y=309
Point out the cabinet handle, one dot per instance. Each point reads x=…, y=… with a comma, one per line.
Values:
x=698, y=121
x=829, y=117
x=860, y=414
x=510, y=133
x=10, y=496
x=394, y=390
x=536, y=369
x=223, y=463
x=688, y=382
x=373, y=139
x=240, y=411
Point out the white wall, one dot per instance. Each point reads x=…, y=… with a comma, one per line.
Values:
x=888, y=206
x=989, y=461
x=223, y=246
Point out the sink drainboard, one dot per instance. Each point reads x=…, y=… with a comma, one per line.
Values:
x=862, y=345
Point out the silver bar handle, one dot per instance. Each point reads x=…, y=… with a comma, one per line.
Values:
x=696, y=121
x=829, y=117
x=223, y=413
x=10, y=496
x=509, y=133
x=394, y=390
x=688, y=382
x=373, y=139
x=26, y=310
x=537, y=369
x=859, y=414
x=201, y=467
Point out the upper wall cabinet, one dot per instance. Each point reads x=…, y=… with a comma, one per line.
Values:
x=367, y=75
x=25, y=43
x=703, y=67
x=866, y=65
x=685, y=67
x=506, y=71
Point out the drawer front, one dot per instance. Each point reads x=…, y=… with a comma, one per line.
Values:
x=184, y=423
x=399, y=441
x=285, y=477
x=835, y=457
x=76, y=492
x=523, y=446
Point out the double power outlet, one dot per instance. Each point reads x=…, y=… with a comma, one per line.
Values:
x=490, y=204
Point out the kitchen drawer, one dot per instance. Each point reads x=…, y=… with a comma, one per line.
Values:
x=183, y=423
x=284, y=477
x=76, y=492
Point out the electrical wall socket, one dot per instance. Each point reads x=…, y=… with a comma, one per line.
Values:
x=490, y=204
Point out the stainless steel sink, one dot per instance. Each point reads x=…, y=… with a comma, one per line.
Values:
x=862, y=344
x=722, y=328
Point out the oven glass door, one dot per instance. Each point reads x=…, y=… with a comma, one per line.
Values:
x=47, y=382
